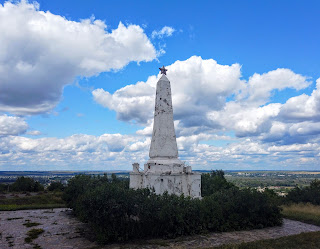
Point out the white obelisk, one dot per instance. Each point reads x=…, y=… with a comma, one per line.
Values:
x=163, y=143
x=164, y=171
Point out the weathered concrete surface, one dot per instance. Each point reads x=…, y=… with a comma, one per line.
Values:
x=188, y=184
x=163, y=143
x=62, y=230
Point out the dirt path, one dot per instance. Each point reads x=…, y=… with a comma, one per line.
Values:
x=62, y=230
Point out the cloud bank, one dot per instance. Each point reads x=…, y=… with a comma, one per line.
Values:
x=116, y=151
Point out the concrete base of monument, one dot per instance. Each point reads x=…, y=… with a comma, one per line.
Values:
x=179, y=180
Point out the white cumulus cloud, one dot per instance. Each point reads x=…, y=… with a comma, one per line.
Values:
x=41, y=52
x=198, y=86
x=260, y=86
x=164, y=32
x=302, y=107
x=10, y=125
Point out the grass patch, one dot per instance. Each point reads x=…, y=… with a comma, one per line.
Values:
x=300, y=241
x=48, y=212
x=31, y=206
x=15, y=218
x=40, y=198
x=33, y=234
x=31, y=224
x=39, y=201
x=36, y=246
x=304, y=212
x=9, y=240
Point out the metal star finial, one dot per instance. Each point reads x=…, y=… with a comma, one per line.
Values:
x=163, y=70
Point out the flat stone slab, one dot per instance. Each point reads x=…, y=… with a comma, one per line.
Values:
x=63, y=230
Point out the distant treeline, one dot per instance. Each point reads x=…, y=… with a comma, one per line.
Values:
x=28, y=184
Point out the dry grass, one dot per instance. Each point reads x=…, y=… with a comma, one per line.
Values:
x=305, y=212
x=39, y=201
x=32, y=206
x=300, y=241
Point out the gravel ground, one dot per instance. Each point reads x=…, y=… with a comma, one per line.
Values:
x=62, y=230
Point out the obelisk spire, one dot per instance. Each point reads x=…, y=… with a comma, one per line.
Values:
x=163, y=143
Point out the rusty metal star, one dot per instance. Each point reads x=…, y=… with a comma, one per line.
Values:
x=163, y=70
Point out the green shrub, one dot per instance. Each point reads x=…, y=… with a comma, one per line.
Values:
x=117, y=213
x=3, y=187
x=54, y=186
x=79, y=184
x=213, y=182
x=26, y=184
x=274, y=197
x=306, y=194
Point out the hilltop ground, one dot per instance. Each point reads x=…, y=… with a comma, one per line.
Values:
x=62, y=230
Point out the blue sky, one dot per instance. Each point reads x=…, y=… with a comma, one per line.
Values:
x=77, y=83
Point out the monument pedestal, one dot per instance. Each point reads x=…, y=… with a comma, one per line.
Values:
x=172, y=177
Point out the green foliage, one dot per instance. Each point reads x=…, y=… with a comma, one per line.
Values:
x=117, y=213
x=14, y=207
x=15, y=218
x=31, y=224
x=56, y=186
x=234, y=209
x=274, y=197
x=3, y=187
x=79, y=184
x=306, y=194
x=33, y=234
x=26, y=184
x=213, y=182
